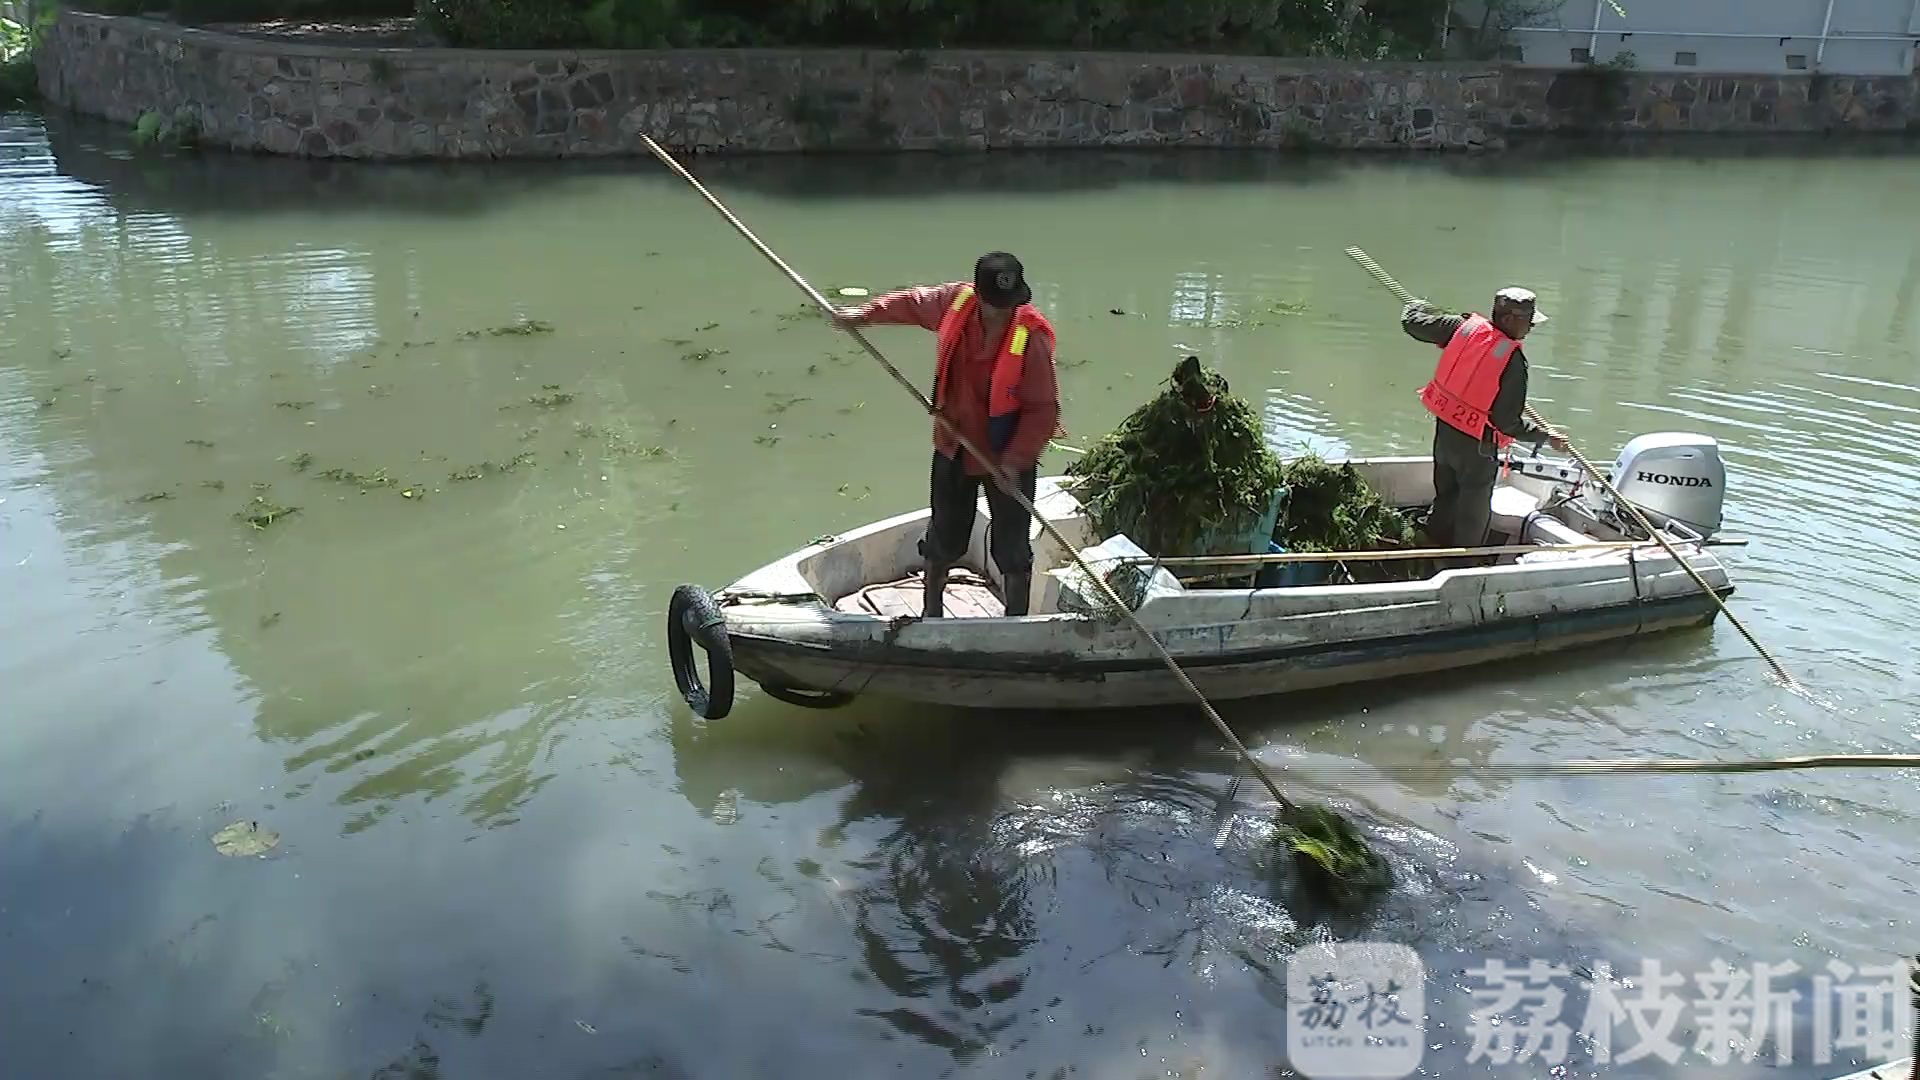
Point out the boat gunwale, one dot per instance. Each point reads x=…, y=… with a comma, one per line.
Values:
x=888, y=653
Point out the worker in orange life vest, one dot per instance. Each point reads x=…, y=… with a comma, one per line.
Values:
x=1478, y=397
x=994, y=380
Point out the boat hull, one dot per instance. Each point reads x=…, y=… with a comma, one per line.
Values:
x=992, y=680
x=788, y=626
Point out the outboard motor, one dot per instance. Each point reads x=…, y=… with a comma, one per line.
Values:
x=1675, y=478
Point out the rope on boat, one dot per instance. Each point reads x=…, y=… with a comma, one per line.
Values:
x=1640, y=519
x=999, y=475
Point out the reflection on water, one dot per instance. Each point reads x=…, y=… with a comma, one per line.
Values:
x=514, y=407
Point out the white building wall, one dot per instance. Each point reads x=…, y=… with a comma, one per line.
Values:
x=1837, y=37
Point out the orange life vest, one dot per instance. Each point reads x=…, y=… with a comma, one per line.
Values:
x=1468, y=378
x=1009, y=366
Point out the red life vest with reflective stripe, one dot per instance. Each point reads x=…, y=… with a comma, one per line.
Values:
x=1009, y=365
x=1468, y=378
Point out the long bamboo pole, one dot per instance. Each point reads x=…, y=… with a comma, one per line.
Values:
x=1280, y=557
x=1000, y=476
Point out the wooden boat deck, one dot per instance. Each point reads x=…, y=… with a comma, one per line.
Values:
x=968, y=596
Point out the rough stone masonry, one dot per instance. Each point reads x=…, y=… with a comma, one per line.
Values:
x=288, y=97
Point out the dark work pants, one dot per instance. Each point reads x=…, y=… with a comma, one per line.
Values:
x=1463, y=479
x=954, y=495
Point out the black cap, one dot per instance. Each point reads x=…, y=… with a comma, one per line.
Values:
x=1000, y=280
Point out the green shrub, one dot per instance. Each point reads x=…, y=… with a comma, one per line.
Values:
x=1400, y=28
x=505, y=24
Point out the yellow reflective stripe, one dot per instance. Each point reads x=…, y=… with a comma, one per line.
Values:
x=960, y=298
x=1018, y=346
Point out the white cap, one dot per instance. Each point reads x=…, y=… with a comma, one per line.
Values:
x=1515, y=296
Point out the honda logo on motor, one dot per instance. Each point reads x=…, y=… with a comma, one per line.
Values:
x=1673, y=481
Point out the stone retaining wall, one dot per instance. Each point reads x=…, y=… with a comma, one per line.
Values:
x=252, y=93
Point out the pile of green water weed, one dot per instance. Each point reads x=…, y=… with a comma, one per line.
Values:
x=1330, y=507
x=1191, y=463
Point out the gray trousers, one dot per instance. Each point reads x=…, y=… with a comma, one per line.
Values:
x=1463, y=479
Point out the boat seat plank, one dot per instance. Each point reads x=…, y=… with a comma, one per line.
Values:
x=968, y=596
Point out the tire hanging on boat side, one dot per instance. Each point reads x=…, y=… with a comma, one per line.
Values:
x=692, y=616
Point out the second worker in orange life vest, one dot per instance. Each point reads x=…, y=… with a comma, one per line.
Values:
x=1478, y=397
x=994, y=380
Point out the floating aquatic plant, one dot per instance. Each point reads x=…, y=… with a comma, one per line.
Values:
x=261, y=512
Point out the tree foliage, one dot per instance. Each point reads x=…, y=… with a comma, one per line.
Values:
x=1373, y=29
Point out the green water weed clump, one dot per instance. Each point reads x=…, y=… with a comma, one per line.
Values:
x=1331, y=508
x=1330, y=854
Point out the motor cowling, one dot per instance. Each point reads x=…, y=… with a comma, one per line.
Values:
x=1674, y=478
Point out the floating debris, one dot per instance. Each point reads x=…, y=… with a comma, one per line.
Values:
x=704, y=329
x=201, y=443
x=291, y=404
x=214, y=485
x=766, y=440
x=553, y=398
x=380, y=389
x=376, y=478
x=301, y=461
x=491, y=468
x=851, y=291
x=523, y=328
x=46, y=403
x=701, y=356
x=261, y=512
x=245, y=838
x=1288, y=307
x=782, y=402
x=268, y=622
x=153, y=496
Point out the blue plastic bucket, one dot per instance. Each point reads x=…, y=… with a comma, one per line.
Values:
x=1290, y=575
x=1250, y=539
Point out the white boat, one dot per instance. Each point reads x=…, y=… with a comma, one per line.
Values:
x=839, y=618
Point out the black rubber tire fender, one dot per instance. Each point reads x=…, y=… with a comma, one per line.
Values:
x=807, y=699
x=693, y=617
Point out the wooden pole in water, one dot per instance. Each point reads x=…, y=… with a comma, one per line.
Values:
x=1792, y=684
x=1438, y=770
x=1000, y=477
